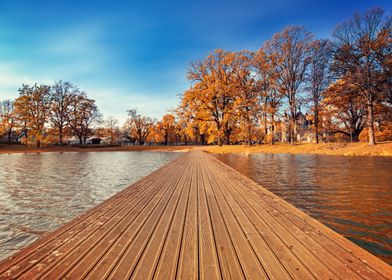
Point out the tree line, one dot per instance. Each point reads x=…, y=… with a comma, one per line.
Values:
x=43, y=112
x=342, y=85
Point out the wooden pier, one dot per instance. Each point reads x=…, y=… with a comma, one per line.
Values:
x=194, y=218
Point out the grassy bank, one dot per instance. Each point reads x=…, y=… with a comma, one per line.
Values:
x=345, y=149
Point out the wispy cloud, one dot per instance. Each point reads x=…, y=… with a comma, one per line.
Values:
x=12, y=76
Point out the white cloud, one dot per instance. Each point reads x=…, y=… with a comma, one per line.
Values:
x=12, y=77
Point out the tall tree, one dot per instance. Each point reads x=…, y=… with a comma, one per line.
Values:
x=345, y=110
x=62, y=94
x=139, y=126
x=83, y=116
x=363, y=49
x=289, y=51
x=32, y=108
x=111, y=129
x=213, y=94
x=167, y=125
x=7, y=119
x=245, y=87
x=318, y=78
x=270, y=98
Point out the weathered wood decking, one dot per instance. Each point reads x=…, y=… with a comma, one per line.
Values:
x=194, y=218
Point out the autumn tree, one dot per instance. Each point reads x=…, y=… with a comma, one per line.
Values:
x=7, y=119
x=290, y=49
x=62, y=94
x=111, y=129
x=214, y=94
x=181, y=130
x=363, y=53
x=193, y=121
x=244, y=85
x=32, y=108
x=345, y=110
x=139, y=126
x=269, y=97
x=318, y=79
x=167, y=126
x=83, y=116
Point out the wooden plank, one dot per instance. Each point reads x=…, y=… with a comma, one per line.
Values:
x=250, y=262
x=228, y=259
x=209, y=265
x=145, y=268
x=168, y=261
x=188, y=262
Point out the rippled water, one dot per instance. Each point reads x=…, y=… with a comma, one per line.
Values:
x=39, y=192
x=352, y=195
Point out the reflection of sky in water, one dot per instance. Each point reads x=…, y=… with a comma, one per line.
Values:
x=352, y=195
x=39, y=192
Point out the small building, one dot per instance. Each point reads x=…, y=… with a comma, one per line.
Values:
x=96, y=141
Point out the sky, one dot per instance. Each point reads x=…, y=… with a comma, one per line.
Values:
x=135, y=54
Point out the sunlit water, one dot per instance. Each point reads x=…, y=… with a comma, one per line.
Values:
x=40, y=192
x=352, y=195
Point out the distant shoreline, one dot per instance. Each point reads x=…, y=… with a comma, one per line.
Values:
x=341, y=149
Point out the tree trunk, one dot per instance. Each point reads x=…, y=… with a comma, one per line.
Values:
x=265, y=127
x=372, y=140
x=355, y=136
x=316, y=126
x=219, y=137
x=60, y=135
x=166, y=138
x=292, y=126
x=9, y=136
x=203, y=139
x=249, y=134
x=227, y=136
x=272, y=128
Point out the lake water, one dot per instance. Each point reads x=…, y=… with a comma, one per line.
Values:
x=352, y=195
x=40, y=192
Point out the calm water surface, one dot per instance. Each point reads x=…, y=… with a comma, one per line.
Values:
x=352, y=195
x=39, y=192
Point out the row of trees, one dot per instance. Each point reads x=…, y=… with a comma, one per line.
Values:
x=344, y=83
x=60, y=113
x=42, y=112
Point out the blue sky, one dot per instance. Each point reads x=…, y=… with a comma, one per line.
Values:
x=128, y=54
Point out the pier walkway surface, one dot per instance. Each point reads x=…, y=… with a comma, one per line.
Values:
x=195, y=218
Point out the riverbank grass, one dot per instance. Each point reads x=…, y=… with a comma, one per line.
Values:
x=344, y=149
